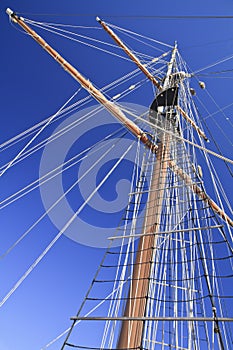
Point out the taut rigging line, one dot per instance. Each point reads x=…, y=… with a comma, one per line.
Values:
x=114, y=109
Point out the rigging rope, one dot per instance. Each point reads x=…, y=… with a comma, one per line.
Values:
x=54, y=172
x=69, y=222
x=183, y=139
x=37, y=134
x=213, y=64
x=80, y=103
x=124, y=16
x=187, y=282
x=77, y=40
x=139, y=35
x=111, y=147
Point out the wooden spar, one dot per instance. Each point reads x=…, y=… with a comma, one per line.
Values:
x=147, y=73
x=199, y=192
x=130, y=54
x=115, y=110
x=185, y=115
x=178, y=171
x=86, y=84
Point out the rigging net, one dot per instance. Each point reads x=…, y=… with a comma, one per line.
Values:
x=181, y=286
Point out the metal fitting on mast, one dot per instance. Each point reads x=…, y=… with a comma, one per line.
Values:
x=11, y=14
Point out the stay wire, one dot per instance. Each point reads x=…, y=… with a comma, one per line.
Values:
x=61, y=232
x=216, y=144
x=34, y=149
x=210, y=133
x=124, y=15
x=51, y=174
x=224, y=59
x=218, y=147
x=37, y=134
x=89, y=197
x=185, y=140
x=77, y=322
x=44, y=25
x=140, y=35
x=82, y=102
x=56, y=202
x=81, y=42
x=217, y=72
x=135, y=38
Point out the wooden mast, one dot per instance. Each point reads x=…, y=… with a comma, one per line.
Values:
x=132, y=331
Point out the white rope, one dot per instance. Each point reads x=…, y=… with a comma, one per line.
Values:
x=220, y=109
x=37, y=134
x=114, y=307
x=214, y=120
x=69, y=222
x=47, y=25
x=162, y=254
x=54, y=29
x=62, y=24
x=60, y=198
x=115, y=83
x=139, y=35
x=50, y=139
x=56, y=135
x=213, y=64
x=80, y=103
x=21, y=136
x=33, y=185
x=214, y=176
x=36, y=262
x=87, y=314
x=82, y=42
x=182, y=139
x=144, y=43
x=53, y=137
x=51, y=174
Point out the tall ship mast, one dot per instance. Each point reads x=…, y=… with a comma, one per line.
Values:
x=164, y=280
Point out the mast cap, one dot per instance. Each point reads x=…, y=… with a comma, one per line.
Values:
x=9, y=11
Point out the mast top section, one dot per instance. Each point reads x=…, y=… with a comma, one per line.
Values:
x=9, y=11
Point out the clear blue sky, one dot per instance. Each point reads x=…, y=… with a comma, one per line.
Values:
x=33, y=87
